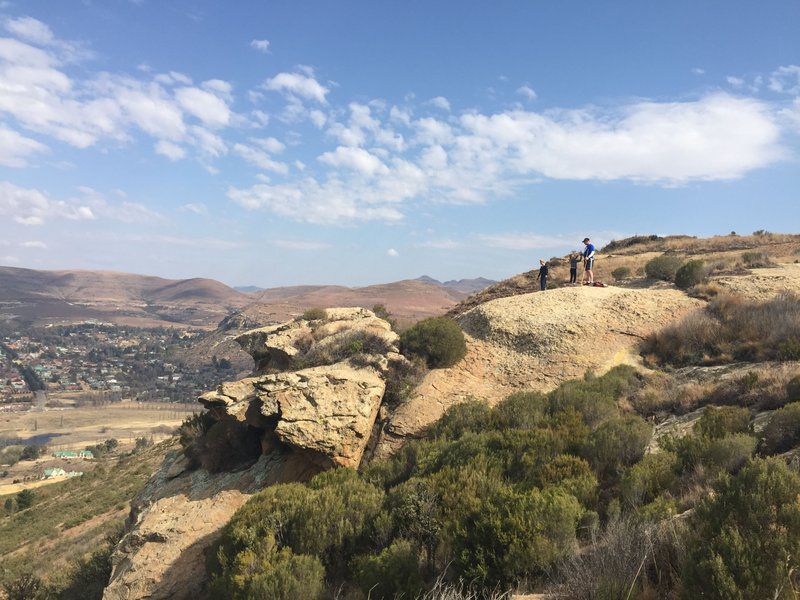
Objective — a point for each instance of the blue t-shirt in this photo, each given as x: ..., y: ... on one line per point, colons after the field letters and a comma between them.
x: 588, y: 251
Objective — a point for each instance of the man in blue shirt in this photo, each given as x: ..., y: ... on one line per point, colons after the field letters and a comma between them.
x: 588, y: 261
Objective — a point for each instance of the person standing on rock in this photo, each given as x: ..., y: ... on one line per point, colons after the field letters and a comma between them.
x: 588, y: 260
x: 544, y: 270
x: 574, y: 259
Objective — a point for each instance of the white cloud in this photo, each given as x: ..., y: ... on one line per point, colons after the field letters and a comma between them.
x: 260, y: 45
x: 197, y: 208
x: 209, y: 108
x: 299, y: 85
x: 735, y: 81
x: 527, y: 92
x: 698, y: 71
x: 356, y: 159
x: 15, y: 149
x: 30, y: 29
x: 28, y: 206
x: 34, y: 244
x: 260, y: 159
x: 440, y: 102
x: 270, y: 144
x: 171, y: 151
x: 786, y: 80
x: 524, y: 241
x: 392, y: 252
x: 299, y: 245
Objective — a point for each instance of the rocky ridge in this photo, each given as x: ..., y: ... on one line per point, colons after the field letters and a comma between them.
x: 313, y: 401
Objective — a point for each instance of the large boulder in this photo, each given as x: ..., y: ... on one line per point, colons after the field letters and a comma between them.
x: 313, y: 401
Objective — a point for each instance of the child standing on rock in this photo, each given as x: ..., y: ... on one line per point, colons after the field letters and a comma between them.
x: 544, y: 270
x: 574, y: 259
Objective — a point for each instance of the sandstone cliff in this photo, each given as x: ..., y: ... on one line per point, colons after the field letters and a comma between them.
x: 312, y: 402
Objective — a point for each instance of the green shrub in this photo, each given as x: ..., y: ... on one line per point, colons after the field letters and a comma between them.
x: 438, y: 340
x: 756, y: 260
x: 570, y: 473
x: 621, y: 273
x: 782, y: 431
x: 26, y: 587
x: 618, y: 443
x: 326, y: 518
x: 691, y: 273
x: 264, y: 571
x: 402, y: 378
x: 718, y: 422
x: 25, y: 499
x: 663, y: 267
x: 594, y: 398
x: 315, y: 314
x: 650, y: 477
x: 745, y: 539
x: 393, y: 572
x: 793, y: 389
x: 522, y: 410
x: 32, y: 452
x: 469, y: 416
x: 500, y: 535
x: 716, y: 455
x: 359, y: 347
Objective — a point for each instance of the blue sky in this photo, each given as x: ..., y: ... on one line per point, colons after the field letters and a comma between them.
x: 277, y: 143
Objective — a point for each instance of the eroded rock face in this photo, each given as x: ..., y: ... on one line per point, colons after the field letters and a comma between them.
x: 309, y: 417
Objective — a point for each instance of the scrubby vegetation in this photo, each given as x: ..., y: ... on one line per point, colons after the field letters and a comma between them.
x: 663, y: 267
x: 438, y: 340
x: 690, y: 274
x: 731, y: 328
x: 494, y: 497
x: 359, y: 347
x: 757, y: 260
x: 315, y: 314
x: 621, y: 273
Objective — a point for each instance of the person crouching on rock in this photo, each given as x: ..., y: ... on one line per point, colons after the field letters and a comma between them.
x: 588, y: 260
x: 544, y: 269
x: 574, y: 259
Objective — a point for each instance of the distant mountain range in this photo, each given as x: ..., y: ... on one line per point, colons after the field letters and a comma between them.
x: 141, y: 300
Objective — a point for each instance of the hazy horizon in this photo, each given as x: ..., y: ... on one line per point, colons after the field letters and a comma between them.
x: 279, y: 144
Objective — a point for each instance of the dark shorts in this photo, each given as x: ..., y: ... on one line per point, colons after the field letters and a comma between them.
x: 589, y: 264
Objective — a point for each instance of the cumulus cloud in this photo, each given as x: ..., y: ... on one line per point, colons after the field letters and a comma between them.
x: 356, y: 159
x: 29, y: 206
x: 299, y: 85
x: 392, y: 252
x: 206, y: 106
x: 171, y: 151
x: 440, y: 102
x: 260, y: 159
x: 15, y: 149
x: 260, y: 45
x: 785, y: 80
x: 527, y: 92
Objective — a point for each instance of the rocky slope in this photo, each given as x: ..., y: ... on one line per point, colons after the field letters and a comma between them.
x: 534, y: 342
x: 312, y: 402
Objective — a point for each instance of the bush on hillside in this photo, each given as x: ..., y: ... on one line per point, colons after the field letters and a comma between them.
x: 392, y: 573
x: 663, y: 267
x: 731, y: 328
x: 522, y: 410
x: 715, y: 455
x: 615, y: 245
x: 358, y: 347
x: 438, y: 340
x: 32, y: 452
x: 691, y: 273
x: 745, y: 539
x: 402, y: 378
x: 793, y: 389
x: 468, y: 416
x: 649, y: 478
x: 757, y: 260
x: 631, y: 558
x: 315, y: 314
x: 621, y: 273
x: 719, y: 422
x: 618, y: 443
x: 782, y: 431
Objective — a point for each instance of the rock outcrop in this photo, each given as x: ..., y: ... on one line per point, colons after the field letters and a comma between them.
x: 535, y: 341
x: 313, y: 401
